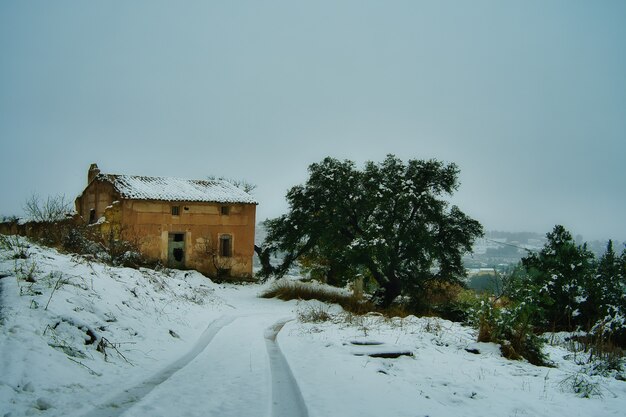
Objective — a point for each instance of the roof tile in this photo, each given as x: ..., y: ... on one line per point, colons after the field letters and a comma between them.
x: 177, y: 189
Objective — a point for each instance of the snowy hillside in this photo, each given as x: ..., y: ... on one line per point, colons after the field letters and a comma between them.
x: 86, y: 339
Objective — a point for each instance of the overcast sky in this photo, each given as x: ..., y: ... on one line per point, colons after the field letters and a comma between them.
x: 527, y: 97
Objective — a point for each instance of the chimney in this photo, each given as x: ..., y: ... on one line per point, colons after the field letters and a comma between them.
x: 92, y: 173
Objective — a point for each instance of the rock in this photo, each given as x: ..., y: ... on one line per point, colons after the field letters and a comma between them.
x: 42, y: 404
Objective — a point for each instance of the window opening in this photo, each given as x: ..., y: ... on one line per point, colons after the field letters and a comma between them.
x: 175, y: 210
x: 179, y: 237
x: 226, y: 245
x: 225, y: 210
x: 92, y: 216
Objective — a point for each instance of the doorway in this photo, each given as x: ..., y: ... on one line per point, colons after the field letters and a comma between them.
x: 176, y: 250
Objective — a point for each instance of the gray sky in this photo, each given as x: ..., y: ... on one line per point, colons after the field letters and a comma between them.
x: 527, y: 97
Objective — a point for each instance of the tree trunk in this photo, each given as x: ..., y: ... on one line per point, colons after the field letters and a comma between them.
x: 390, y: 289
x: 332, y: 277
x: 266, y: 267
x: 388, y: 292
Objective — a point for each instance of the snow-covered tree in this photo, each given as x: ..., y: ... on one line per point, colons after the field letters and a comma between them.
x: 561, y: 273
x: 388, y: 221
x: 606, y: 287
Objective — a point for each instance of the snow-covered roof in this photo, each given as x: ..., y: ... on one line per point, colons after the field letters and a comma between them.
x: 176, y: 189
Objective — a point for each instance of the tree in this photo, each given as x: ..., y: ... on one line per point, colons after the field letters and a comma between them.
x: 607, y: 286
x: 388, y: 222
x: 52, y: 218
x: 52, y: 209
x: 560, y: 275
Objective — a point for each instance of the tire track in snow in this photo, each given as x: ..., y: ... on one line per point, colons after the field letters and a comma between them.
x: 287, y: 399
x: 121, y: 403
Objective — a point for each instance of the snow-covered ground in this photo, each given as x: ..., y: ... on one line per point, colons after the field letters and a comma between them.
x: 91, y: 340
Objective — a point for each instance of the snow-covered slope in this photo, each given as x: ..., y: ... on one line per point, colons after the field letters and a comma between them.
x: 447, y: 373
x: 87, y: 339
x: 83, y: 330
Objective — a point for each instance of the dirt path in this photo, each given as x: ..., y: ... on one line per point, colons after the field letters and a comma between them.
x: 236, y: 368
x: 128, y: 398
x: 287, y: 400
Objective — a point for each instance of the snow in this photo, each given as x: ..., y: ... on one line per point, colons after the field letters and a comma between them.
x: 177, y: 189
x: 181, y: 345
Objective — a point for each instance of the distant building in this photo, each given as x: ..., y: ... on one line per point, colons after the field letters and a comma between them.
x: 207, y: 225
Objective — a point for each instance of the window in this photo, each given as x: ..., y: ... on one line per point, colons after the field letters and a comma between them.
x: 225, y: 210
x: 226, y: 247
x: 179, y: 237
x: 92, y: 216
x: 175, y: 210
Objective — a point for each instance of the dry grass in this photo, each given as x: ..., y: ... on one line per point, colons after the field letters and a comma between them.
x: 314, y: 314
x: 295, y: 290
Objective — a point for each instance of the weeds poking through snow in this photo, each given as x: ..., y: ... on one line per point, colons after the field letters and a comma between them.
x: 314, y: 314
x: 58, y: 283
x: 595, y: 355
x: 582, y: 385
x: 104, y: 343
x: 25, y: 270
x: 17, y: 245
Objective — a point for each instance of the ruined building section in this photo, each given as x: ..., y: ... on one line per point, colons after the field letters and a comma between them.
x: 207, y: 225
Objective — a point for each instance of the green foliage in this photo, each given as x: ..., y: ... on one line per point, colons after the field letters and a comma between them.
x: 571, y: 288
x: 561, y: 274
x: 387, y: 221
x: 510, y: 325
x: 608, y: 288
x: 582, y: 384
x: 564, y: 287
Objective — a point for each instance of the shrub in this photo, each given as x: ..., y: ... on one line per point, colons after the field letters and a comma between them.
x: 298, y: 290
x: 603, y: 343
x: 17, y: 245
x: 295, y: 290
x: 436, y: 298
x: 582, y: 385
x: 52, y: 209
x: 510, y: 325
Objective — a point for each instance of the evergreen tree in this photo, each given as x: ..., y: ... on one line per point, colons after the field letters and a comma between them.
x: 560, y: 273
x: 609, y: 282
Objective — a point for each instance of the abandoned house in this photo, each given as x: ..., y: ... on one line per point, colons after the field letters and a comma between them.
x: 207, y: 225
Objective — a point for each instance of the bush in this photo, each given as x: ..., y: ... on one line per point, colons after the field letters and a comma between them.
x: 582, y: 385
x: 17, y: 245
x: 605, y: 340
x: 510, y: 325
x: 447, y: 300
x: 52, y: 209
